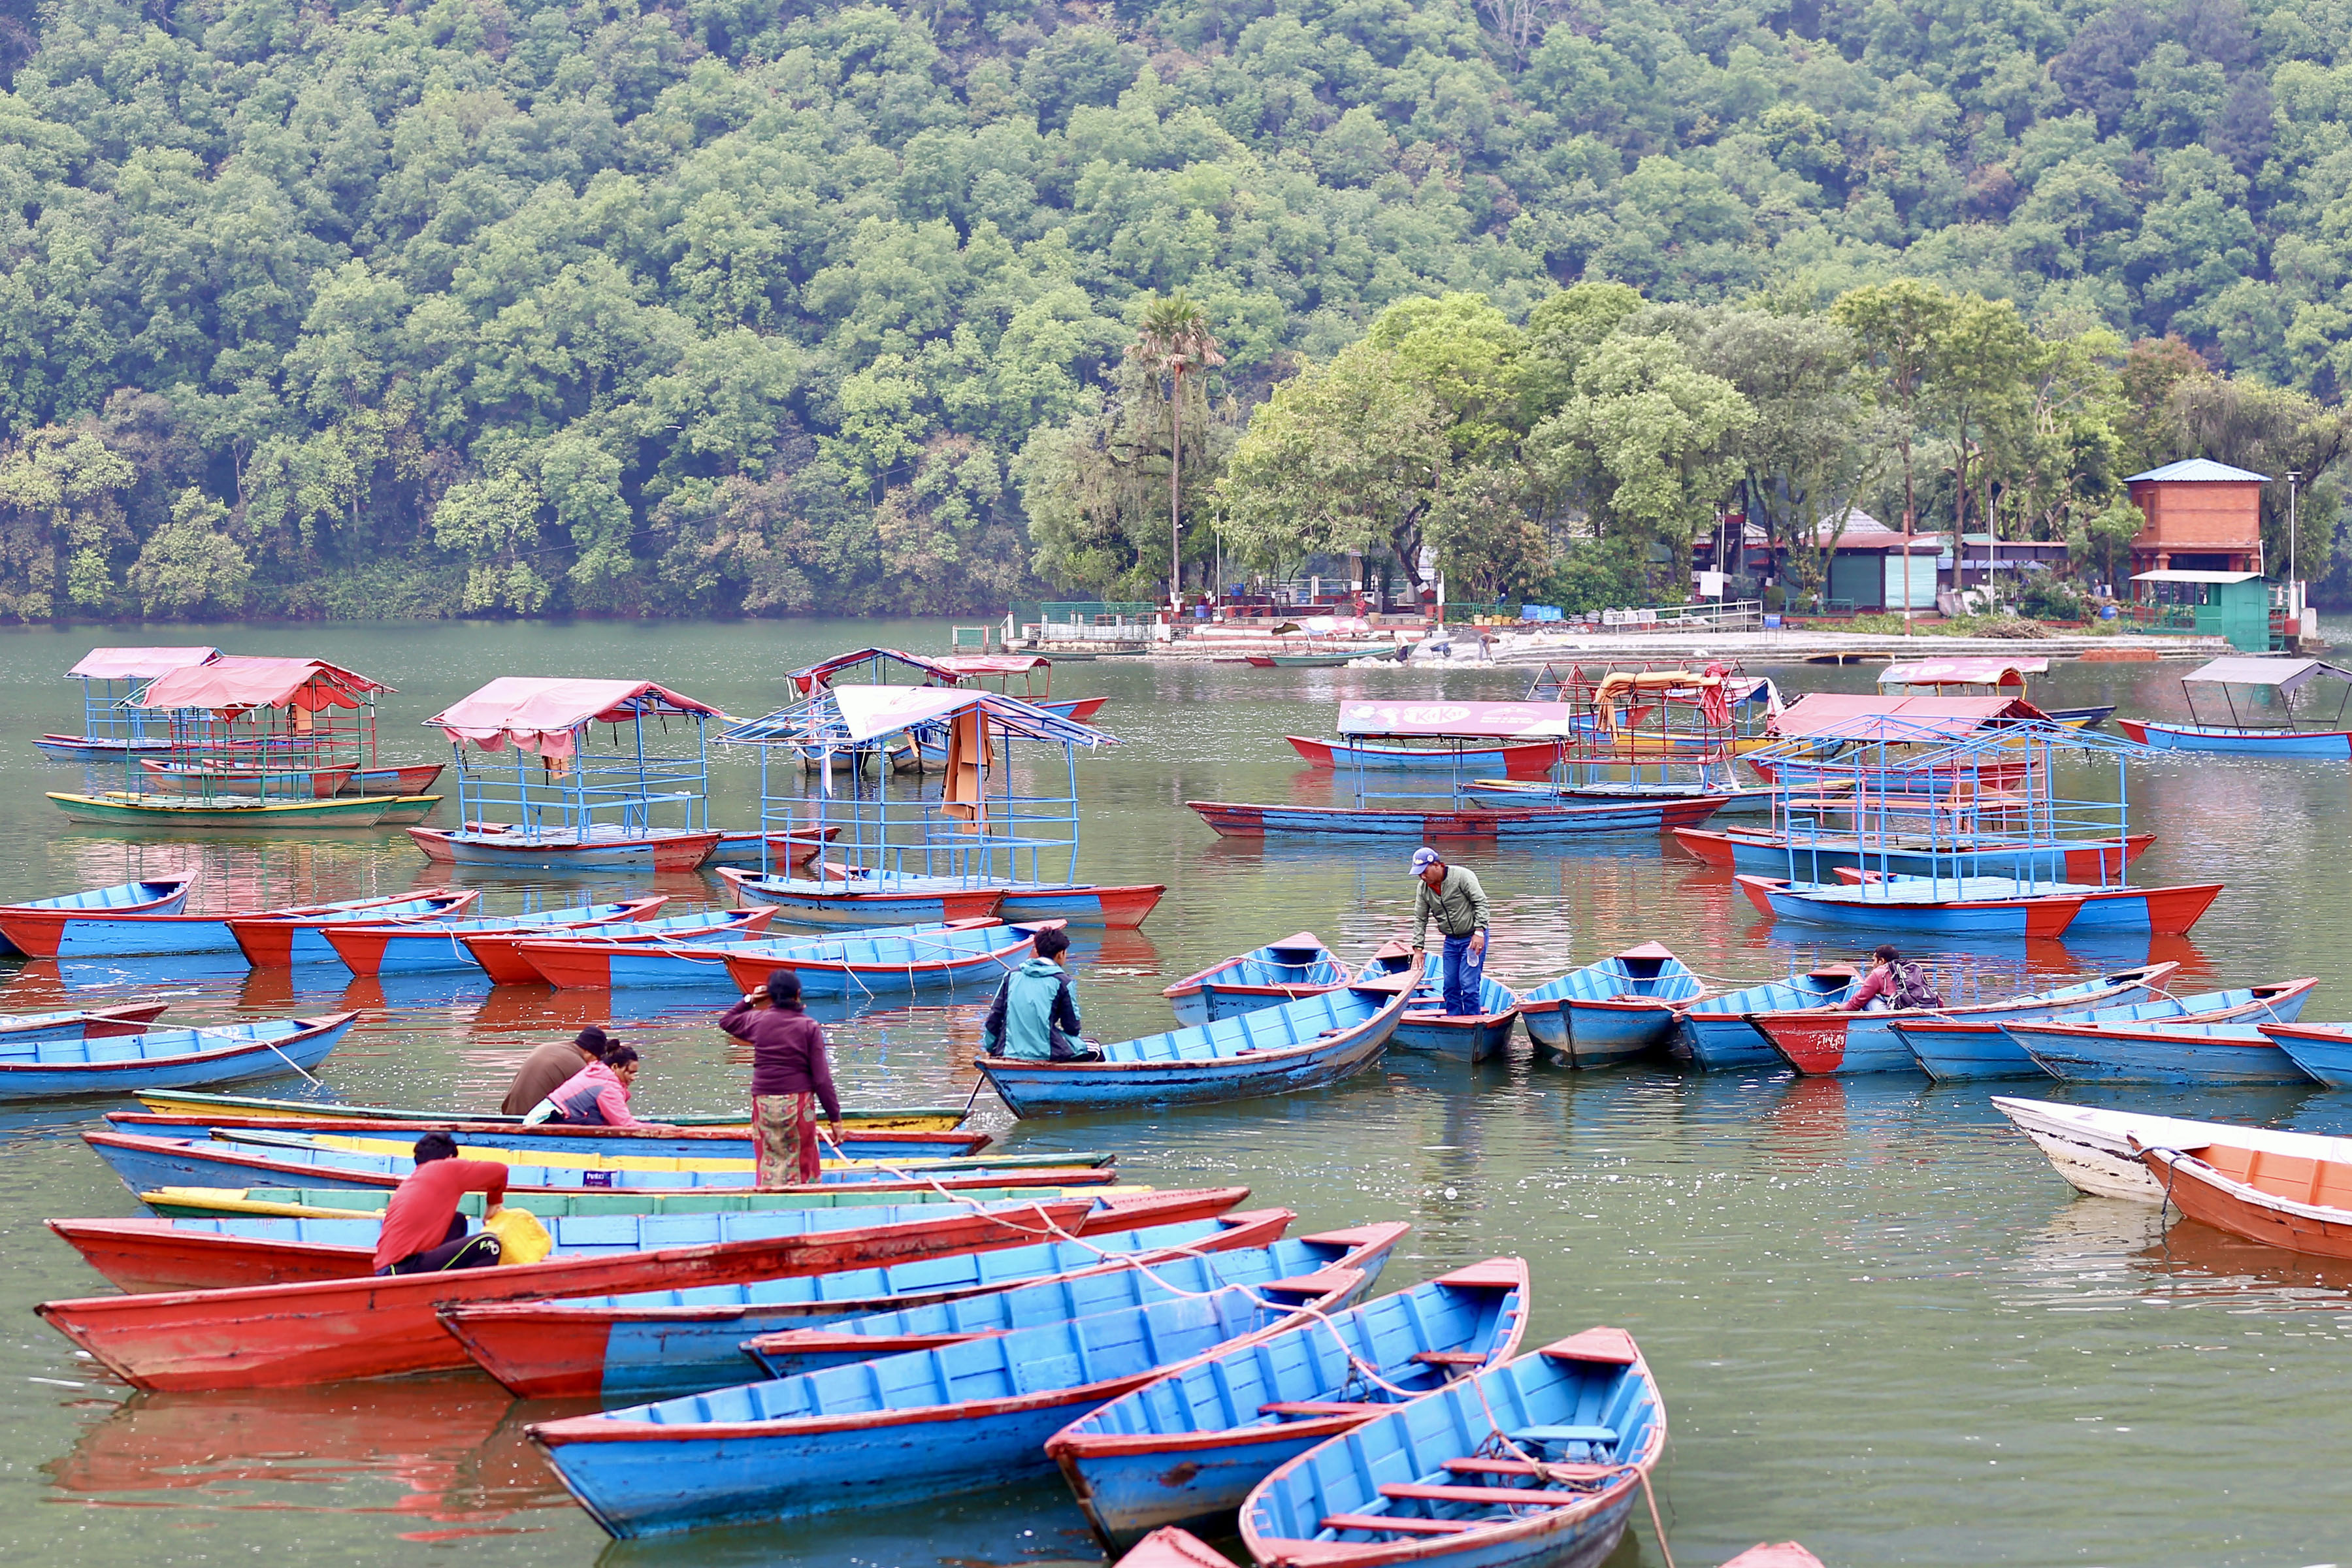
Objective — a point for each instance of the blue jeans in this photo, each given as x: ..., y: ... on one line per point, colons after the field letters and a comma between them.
x: 1464, y: 971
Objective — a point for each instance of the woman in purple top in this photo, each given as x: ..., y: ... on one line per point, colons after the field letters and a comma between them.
x: 788, y: 1069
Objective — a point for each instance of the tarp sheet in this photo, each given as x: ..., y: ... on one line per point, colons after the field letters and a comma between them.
x: 1963, y: 672
x: 238, y: 682
x: 2286, y: 674
x: 539, y: 713
x: 1465, y: 721
x: 139, y: 663
x: 1823, y: 715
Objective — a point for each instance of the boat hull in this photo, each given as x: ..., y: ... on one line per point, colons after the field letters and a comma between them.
x: 1764, y: 855
x: 238, y: 1063
x: 2134, y: 1056
x: 180, y: 813
x: 2333, y: 744
x: 1820, y: 904
x: 1504, y: 824
x: 647, y: 854
x: 2322, y: 1052
x: 836, y: 903
x: 1511, y: 761
x: 104, y: 933
x: 1114, y: 908
x: 96, y: 748
x: 2210, y: 1198
x: 1473, y: 1039
x: 1572, y: 1033
x: 2091, y: 1146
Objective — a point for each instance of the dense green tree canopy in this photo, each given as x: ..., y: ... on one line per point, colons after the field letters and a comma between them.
x: 499, y: 306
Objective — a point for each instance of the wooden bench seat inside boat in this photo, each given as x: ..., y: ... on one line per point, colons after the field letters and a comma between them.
x: 1378, y: 1523
x: 1516, y: 1497
x: 2324, y: 1183
x: 1318, y: 1407
x: 1521, y: 1467
x: 1549, y: 1435
x: 1450, y: 1357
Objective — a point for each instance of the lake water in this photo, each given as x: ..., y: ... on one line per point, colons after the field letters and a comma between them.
x: 1882, y: 1325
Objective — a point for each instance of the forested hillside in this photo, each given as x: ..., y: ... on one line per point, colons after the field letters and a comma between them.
x: 494, y: 306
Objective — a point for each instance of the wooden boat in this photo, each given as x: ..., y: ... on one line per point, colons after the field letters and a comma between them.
x: 401, y: 779
x: 607, y: 847
x: 1715, y: 1033
x: 1322, y: 660
x: 2281, y: 678
x: 1538, y: 1460
x: 279, y: 1336
x: 439, y: 947
x: 2156, y: 1053
x: 655, y: 1344
x: 836, y: 901
x: 1079, y: 903
x: 1506, y: 759
x: 154, y: 898
x: 59, y: 748
x: 2290, y: 1201
x: 70, y: 933
x: 1762, y: 853
x: 1307, y: 1044
x: 790, y: 1353
x: 1788, y: 1553
x: 888, y: 965
x: 1738, y: 800
x: 1817, y: 1042
x: 588, y: 964
x: 84, y: 1063
x: 1945, y: 906
x: 755, y: 851
x: 2106, y: 909
x: 803, y: 1446
x: 2332, y: 744
x: 2091, y: 1146
x: 1285, y: 971
x: 724, y: 1140
x: 1427, y: 1028
x: 126, y: 808
x: 1952, y: 1049
x: 280, y: 941
x: 500, y: 956
x: 1174, y: 1548
x: 895, y: 1118
x: 20, y: 1032
x: 330, y: 1202
x: 1502, y: 824
x: 1610, y: 1011
x: 2324, y: 1051
x: 214, y: 778
x: 223, y: 1252
x: 1189, y: 1446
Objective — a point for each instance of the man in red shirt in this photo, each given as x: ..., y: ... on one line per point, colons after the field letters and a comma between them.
x: 423, y: 1231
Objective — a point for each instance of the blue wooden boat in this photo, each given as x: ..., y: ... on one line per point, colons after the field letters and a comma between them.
x: 1738, y: 800
x: 70, y: 933
x: 1715, y: 1033
x: 1610, y: 1011
x: 97, y: 748
x: 1279, y: 972
x: 654, y: 1344
x: 1189, y: 1446
x: 2229, y: 740
x: 1951, y: 1049
x: 846, y: 1437
x: 21, y: 1031
x: 1821, y: 857
x: 45, y: 1069
x: 438, y: 947
x: 280, y: 941
x: 698, y: 965
x: 1307, y: 1044
x: 2157, y: 1053
x: 2324, y: 1051
x: 926, y: 1150
x: 862, y: 901
x: 1929, y: 907
x: 1427, y: 1029
x: 1820, y: 1043
x: 1538, y: 1460
x: 789, y: 1352
x: 152, y: 898
x: 888, y: 963
x: 1479, y: 821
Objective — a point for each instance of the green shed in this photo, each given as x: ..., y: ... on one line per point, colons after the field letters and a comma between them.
x: 2233, y: 605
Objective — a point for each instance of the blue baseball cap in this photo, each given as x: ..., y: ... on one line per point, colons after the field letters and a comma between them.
x: 1423, y: 859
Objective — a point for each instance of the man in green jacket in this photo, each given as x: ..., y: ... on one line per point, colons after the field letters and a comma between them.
x: 1452, y: 895
x: 1036, y: 1015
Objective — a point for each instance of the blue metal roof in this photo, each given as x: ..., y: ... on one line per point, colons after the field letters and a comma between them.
x: 2199, y: 469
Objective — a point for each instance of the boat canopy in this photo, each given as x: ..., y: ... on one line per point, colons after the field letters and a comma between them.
x: 139, y: 663
x: 1963, y: 672
x: 239, y: 683
x: 542, y: 713
x: 1843, y: 715
x: 964, y: 666
x: 2288, y: 675
x: 1461, y: 720
x: 845, y: 716
x: 818, y: 677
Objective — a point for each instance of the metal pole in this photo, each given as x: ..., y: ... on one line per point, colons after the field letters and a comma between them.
x: 2294, y: 598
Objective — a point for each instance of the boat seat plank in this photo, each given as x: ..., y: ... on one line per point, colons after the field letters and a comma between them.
x: 1450, y: 1357
x: 1563, y: 1472
x: 1377, y: 1524
x: 1564, y: 1435
x: 1428, y: 1492
x: 1319, y: 1407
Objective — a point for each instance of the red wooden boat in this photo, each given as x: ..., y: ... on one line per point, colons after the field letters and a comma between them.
x: 282, y: 1336
x: 1781, y: 1554
x: 364, y: 950
x: 499, y: 951
x: 1007, y: 948
x: 35, y: 929
x: 1172, y: 1547
x: 1492, y: 759
x: 267, y: 941
x: 1722, y: 847
x: 2289, y: 1201
x: 557, y: 1350
x: 2170, y: 911
x: 96, y: 1023
x: 837, y: 901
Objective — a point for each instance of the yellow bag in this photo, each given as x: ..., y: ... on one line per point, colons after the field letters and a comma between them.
x: 521, y: 1238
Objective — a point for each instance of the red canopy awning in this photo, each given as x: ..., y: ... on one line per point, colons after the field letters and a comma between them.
x: 1963, y: 672
x: 540, y: 713
x: 237, y: 683
x: 818, y: 676
x: 1837, y: 715
x: 139, y: 663
x: 1465, y: 721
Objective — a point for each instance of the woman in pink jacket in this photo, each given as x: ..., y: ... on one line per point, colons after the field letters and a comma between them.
x: 595, y: 1096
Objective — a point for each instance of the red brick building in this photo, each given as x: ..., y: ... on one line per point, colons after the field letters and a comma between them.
x: 2202, y: 516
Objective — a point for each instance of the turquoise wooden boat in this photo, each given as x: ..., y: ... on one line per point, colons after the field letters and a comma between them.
x: 789, y: 1352
x: 1948, y: 1049
x: 21, y: 1031
x: 969, y: 1416
x: 1538, y: 1460
x: 1427, y: 1029
x: 656, y: 1345
x: 1715, y: 1033
x: 1608, y: 1012
x: 1821, y: 1043
x: 146, y: 933
x: 1307, y: 1044
x: 82, y: 1064
x: 1189, y: 1446
x: 152, y: 898
x: 2157, y: 1053
x: 907, y: 1117
x: 1266, y: 976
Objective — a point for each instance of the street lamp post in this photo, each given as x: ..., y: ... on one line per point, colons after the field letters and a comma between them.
x: 2294, y: 589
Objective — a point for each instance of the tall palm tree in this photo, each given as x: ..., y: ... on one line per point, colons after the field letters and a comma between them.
x: 1175, y: 341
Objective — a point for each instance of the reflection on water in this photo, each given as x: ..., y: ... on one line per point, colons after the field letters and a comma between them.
x: 1881, y: 1324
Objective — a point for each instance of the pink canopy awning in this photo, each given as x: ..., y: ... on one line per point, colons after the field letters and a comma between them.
x: 540, y: 713
x: 1465, y: 721
x: 970, y: 664
x: 1824, y: 715
x: 1963, y: 672
x: 237, y: 683
x: 139, y: 663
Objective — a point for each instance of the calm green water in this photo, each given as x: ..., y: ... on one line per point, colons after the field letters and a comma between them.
x: 1882, y: 1325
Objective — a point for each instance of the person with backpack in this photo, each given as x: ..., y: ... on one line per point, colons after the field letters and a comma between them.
x: 1901, y: 984
x: 1034, y: 1016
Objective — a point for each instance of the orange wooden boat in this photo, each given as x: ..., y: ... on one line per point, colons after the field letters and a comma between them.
x: 2293, y: 1201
